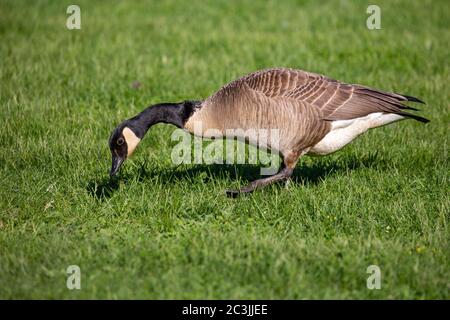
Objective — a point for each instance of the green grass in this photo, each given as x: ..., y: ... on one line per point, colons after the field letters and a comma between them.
x: 169, y: 232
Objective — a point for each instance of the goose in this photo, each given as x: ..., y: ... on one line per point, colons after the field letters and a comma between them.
x: 314, y: 115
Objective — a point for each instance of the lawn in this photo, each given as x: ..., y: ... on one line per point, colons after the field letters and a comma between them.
x: 163, y: 231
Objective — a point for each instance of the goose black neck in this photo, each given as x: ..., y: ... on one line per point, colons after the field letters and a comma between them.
x: 171, y: 113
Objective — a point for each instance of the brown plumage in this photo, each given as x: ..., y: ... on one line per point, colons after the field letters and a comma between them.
x: 264, y: 92
x: 302, y: 105
x: 312, y: 113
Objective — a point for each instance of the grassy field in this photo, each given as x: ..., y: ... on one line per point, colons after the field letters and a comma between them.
x: 166, y: 231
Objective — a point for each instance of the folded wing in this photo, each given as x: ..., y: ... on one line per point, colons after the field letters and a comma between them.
x: 336, y: 100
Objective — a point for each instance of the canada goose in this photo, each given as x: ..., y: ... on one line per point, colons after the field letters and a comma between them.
x: 314, y: 115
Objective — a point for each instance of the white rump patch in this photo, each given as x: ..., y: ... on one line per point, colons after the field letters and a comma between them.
x: 344, y: 131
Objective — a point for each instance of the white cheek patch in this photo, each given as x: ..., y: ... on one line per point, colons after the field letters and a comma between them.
x: 131, y: 139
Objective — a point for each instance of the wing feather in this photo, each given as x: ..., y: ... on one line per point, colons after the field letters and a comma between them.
x: 337, y: 100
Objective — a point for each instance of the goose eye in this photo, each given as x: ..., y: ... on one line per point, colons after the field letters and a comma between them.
x: 120, y: 141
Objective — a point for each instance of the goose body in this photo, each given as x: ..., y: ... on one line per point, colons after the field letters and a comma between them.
x: 311, y: 111
x: 312, y: 114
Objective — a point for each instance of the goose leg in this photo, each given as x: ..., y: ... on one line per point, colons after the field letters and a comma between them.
x: 284, y: 174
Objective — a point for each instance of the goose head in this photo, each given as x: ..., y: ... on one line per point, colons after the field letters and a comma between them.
x: 122, y: 143
x: 127, y: 135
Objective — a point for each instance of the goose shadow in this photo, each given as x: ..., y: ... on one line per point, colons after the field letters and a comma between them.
x: 103, y: 188
x: 311, y: 174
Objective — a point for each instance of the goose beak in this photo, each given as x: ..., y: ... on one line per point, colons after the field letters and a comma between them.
x: 116, y: 164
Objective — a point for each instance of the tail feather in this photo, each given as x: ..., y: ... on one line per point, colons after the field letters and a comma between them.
x: 388, y: 95
x: 413, y: 99
x: 410, y: 115
x: 413, y: 116
x: 390, y: 99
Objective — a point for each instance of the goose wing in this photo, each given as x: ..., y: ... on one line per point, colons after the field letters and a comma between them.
x: 336, y: 100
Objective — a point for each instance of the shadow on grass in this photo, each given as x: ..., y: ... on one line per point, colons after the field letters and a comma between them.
x: 308, y: 175
x: 103, y: 188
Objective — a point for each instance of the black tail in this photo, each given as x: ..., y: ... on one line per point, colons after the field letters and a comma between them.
x: 391, y: 102
x: 413, y: 116
x: 413, y: 99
